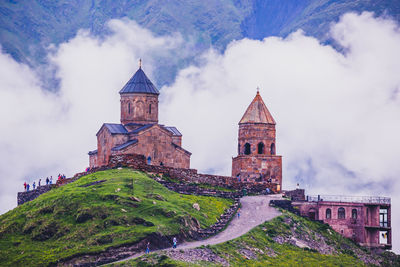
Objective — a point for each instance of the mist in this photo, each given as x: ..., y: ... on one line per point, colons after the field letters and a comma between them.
x: 337, y: 110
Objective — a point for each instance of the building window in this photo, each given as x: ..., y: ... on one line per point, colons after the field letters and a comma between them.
x: 150, y: 109
x: 383, y: 219
x: 260, y: 148
x: 247, y: 149
x: 149, y: 160
x: 272, y: 149
x: 129, y: 108
x: 328, y: 213
x: 341, y: 213
x: 354, y: 213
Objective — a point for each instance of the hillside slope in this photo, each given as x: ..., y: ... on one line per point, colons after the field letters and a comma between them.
x: 88, y: 217
x: 287, y: 240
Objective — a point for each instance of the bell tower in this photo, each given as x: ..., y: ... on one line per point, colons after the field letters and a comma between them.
x: 257, y: 160
x: 139, y: 100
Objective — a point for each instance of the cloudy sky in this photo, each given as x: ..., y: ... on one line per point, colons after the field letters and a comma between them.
x: 337, y: 113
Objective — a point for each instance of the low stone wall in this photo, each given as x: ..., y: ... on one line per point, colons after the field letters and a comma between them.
x: 23, y: 197
x: 138, y: 162
x: 285, y: 204
x: 296, y: 195
x: 221, y: 223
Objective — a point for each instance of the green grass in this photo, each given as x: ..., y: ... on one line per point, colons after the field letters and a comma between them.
x: 266, y: 252
x: 73, y: 220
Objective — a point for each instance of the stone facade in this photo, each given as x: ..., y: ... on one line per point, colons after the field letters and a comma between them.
x: 139, y: 131
x: 366, y: 221
x: 257, y: 160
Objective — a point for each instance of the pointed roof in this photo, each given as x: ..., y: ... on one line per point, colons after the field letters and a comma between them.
x: 257, y: 112
x: 139, y: 83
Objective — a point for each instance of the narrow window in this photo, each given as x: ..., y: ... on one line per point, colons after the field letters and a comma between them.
x: 383, y: 219
x: 260, y: 148
x: 129, y: 108
x: 150, y: 109
x: 247, y: 149
x: 341, y: 213
x: 354, y: 213
x: 272, y: 149
x: 328, y: 213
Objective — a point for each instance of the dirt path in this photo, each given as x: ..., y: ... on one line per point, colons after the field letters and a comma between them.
x: 255, y: 210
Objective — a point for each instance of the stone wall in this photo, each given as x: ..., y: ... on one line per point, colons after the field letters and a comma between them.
x: 296, y: 195
x: 23, y: 197
x: 138, y: 162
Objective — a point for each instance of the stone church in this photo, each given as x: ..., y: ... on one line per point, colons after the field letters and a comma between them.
x: 257, y: 160
x: 139, y: 131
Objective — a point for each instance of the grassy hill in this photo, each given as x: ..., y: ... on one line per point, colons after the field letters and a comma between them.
x: 82, y: 217
x: 287, y: 240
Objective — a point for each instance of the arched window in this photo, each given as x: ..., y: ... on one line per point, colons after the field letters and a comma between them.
x: 354, y: 213
x: 260, y: 148
x: 328, y: 213
x: 272, y: 149
x: 247, y: 149
x: 341, y: 213
x: 129, y: 108
x: 150, y: 109
x: 149, y: 160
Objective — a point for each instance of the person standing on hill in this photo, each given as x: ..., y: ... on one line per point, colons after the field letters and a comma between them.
x: 174, y: 242
x: 25, y: 186
x: 238, y: 212
x: 51, y: 179
x: 40, y: 181
x: 47, y: 180
x: 34, y: 185
x: 148, y: 248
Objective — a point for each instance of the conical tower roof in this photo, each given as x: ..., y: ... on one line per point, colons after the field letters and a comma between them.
x: 257, y: 112
x: 139, y: 83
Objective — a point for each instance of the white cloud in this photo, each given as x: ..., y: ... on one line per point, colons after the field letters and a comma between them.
x: 337, y: 113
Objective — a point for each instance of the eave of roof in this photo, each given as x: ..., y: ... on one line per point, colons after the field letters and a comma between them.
x: 124, y: 145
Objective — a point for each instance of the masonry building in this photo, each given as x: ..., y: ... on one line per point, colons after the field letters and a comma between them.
x: 365, y: 220
x: 139, y: 131
x: 257, y: 160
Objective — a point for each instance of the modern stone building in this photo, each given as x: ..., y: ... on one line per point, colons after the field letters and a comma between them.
x: 139, y: 131
x: 257, y: 160
x: 366, y: 220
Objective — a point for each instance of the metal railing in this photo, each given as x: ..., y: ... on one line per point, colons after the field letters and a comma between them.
x: 356, y: 199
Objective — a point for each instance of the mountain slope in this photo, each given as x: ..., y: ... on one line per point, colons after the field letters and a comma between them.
x: 27, y: 28
x: 74, y: 220
x: 287, y: 240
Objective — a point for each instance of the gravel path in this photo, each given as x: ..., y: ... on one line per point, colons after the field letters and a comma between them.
x: 255, y: 210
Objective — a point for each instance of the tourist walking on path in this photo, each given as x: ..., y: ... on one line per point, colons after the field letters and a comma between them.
x: 25, y: 186
x: 174, y: 241
x: 148, y: 248
x: 238, y: 212
x: 33, y: 185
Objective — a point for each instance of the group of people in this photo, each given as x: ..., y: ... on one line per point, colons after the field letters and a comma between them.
x: 48, y: 181
x: 174, y: 244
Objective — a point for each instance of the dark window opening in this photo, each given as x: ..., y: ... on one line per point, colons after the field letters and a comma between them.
x: 247, y: 149
x: 149, y: 160
x: 150, y: 109
x: 260, y: 148
x: 341, y: 213
x: 129, y: 108
x: 354, y: 213
x: 383, y: 220
x: 272, y: 149
x: 328, y: 213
